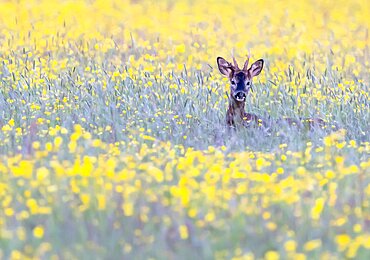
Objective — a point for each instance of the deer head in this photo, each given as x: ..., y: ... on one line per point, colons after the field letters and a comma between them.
x: 240, y: 79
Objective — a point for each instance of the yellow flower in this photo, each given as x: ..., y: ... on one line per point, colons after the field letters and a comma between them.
x: 36, y: 145
x: 210, y: 216
x: 342, y: 241
x: 58, y: 141
x: 357, y: 228
x: 290, y: 246
x: 9, y: 212
x: 180, y: 48
x: 156, y: 173
x: 317, y: 208
x: 85, y: 199
x: 128, y: 209
x: 38, y: 231
x: 101, y: 202
x: 42, y: 173
x: 183, y: 230
x: 271, y: 226
x: 147, y: 137
x: 272, y: 255
x: 11, y: 122
x: 312, y: 245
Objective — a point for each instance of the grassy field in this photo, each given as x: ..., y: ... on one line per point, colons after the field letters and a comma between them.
x: 113, y: 142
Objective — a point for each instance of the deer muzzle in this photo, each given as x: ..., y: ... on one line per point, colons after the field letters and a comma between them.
x: 240, y: 95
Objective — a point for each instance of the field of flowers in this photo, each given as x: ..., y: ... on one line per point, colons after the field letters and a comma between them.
x: 113, y: 143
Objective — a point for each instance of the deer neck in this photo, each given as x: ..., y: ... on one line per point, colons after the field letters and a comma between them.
x: 237, y: 107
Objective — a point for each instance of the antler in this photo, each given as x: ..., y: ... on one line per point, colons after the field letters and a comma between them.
x: 235, y: 63
x: 247, y: 61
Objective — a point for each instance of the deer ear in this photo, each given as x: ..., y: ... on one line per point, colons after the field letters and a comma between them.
x: 256, y: 68
x: 225, y: 67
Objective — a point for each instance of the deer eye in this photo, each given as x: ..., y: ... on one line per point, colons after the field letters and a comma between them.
x: 248, y: 83
x: 232, y: 82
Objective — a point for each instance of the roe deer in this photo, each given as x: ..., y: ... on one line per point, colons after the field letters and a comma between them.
x: 241, y: 82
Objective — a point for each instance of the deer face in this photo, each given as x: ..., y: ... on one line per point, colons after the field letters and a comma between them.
x: 240, y: 79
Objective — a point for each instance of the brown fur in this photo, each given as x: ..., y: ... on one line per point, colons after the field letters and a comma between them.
x: 241, y: 81
x: 236, y: 115
x: 310, y: 123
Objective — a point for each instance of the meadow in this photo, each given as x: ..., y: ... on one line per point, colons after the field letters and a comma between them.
x: 114, y: 145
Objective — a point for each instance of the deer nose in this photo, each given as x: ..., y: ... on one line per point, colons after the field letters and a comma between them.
x: 240, y: 95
